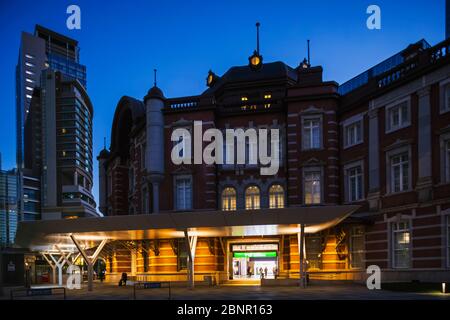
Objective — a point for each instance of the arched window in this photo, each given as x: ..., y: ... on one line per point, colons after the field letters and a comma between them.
x: 252, y: 198
x: 276, y: 196
x: 229, y: 199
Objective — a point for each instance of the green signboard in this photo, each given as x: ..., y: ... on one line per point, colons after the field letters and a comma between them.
x: 262, y: 254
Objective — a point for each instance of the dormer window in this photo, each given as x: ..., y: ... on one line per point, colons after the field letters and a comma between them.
x: 244, y: 100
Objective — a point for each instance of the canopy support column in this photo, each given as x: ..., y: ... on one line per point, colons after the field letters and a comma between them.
x: 301, y: 252
x: 191, y: 243
x: 60, y: 264
x: 89, y: 260
x: 51, y: 266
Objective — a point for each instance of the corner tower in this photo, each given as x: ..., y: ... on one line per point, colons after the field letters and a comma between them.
x: 154, y: 149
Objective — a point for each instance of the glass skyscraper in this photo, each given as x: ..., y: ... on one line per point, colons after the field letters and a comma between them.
x: 48, y: 73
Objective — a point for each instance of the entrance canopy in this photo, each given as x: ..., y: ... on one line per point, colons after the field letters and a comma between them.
x: 44, y: 234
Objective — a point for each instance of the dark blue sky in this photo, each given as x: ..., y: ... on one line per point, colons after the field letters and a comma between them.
x: 122, y: 41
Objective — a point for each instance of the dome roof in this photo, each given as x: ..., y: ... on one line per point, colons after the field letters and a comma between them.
x: 154, y: 93
x: 103, y: 154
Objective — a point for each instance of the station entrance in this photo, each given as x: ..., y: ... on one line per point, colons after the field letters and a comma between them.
x: 254, y: 261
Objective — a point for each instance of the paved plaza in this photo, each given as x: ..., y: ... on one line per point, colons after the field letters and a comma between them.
x: 315, y: 291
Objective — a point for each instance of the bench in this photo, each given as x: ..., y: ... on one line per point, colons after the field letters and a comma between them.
x: 33, y: 292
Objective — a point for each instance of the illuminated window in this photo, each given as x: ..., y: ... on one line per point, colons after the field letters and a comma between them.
x: 29, y: 72
x: 28, y: 64
x: 252, y: 199
x: 401, y: 237
x: 63, y: 130
x: 267, y: 105
x: 29, y: 88
x: 28, y: 96
x: 244, y: 99
x: 63, y: 153
x: 268, y: 96
x: 229, y: 199
x: 29, y: 80
x: 312, y: 182
x: 29, y: 56
x: 276, y: 196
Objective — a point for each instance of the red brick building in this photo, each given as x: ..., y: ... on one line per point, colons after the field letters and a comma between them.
x: 380, y: 140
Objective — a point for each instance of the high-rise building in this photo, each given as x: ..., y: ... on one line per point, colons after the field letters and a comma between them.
x: 8, y: 207
x: 54, y: 128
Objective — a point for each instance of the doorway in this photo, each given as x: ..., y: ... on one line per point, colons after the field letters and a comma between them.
x: 254, y: 261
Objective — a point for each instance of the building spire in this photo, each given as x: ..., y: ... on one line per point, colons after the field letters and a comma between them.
x: 154, y: 77
x: 309, y: 60
x: 104, y: 143
x: 257, y: 37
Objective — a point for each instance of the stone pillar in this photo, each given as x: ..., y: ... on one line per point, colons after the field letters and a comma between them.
x: 424, y: 182
x: 373, y: 195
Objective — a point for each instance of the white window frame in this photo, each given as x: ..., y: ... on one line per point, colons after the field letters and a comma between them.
x: 229, y: 200
x: 444, y: 99
x: 275, y: 196
x: 347, y: 168
x: 393, y: 231
x: 351, y: 122
x: 310, y: 170
x: 390, y: 172
x: 402, y: 124
x: 176, y: 200
x: 306, y: 118
x: 255, y: 205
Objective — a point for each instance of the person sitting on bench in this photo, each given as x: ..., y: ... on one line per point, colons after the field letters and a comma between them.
x: 123, y: 280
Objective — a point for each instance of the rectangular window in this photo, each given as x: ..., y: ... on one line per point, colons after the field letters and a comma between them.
x: 311, y: 134
x: 29, y: 64
x: 29, y: 80
x: 183, y: 194
x: 29, y: 56
x: 353, y: 134
x: 399, y: 172
x: 182, y: 255
x: 401, y: 238
x: 314, y: 250
x: 398, y: 116
x: 357, y: 247
x: 354, y: 184
x: 29, y: 72
x: 312, y: 187
x: 445, y: 101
